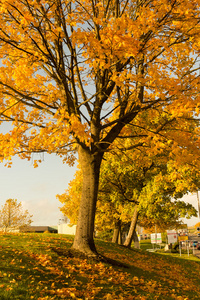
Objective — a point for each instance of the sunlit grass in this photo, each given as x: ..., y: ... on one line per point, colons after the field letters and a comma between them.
x: 30, y: 269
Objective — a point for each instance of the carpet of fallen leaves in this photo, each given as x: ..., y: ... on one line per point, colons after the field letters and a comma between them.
x: 29, y: 269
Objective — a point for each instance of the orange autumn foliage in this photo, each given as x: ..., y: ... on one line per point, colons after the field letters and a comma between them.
x: 42, y: 93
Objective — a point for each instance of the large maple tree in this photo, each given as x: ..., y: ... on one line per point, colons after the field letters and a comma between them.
x: 74, y: 73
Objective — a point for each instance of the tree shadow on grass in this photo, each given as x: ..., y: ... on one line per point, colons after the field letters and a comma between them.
x: 71, y: 253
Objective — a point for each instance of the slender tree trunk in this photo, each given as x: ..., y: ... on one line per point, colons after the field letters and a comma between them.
x: 84, y: 237
x: 136, y: 240
x: 120, y: 236
x: 129, y: 237
x: 117, y: 232
x: 115, y: 235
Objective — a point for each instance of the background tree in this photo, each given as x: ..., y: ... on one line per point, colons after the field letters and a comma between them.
x: 67, y: 66
x: 147, y: 182
x: 12, y: 216
x: 71, y: 198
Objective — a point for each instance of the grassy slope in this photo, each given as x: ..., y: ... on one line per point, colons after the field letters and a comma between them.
x: 29, y: 269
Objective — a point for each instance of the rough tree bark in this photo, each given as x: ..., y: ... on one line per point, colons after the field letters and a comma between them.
x: 130, y: 235
x: 117, y: 232
x: 84, y: 238
x: 120, y: 237
x: 136, y: 240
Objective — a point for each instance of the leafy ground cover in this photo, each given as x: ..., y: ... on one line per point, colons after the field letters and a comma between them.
x: 31, y: 269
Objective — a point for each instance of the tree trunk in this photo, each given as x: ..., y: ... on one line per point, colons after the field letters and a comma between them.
x: 120, y: 236
x: 129, y: 238
x: 117, y: 232
x: 84, y: 237
x: 136, y: 240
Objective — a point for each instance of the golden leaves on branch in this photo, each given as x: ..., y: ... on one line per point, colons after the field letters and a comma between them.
x: 74, y: 45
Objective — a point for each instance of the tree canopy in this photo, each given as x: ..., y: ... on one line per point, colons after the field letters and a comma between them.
x: 66, y: 66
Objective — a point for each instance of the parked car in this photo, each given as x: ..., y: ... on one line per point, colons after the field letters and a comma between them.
x: 198, y: 246
x: 194, y: 243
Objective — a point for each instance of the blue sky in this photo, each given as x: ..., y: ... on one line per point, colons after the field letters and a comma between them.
x: 36, y: 188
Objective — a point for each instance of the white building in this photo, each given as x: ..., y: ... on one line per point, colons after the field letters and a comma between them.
x: 66, y: 229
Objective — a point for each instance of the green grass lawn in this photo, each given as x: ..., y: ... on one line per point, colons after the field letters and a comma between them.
x: 30, y: 269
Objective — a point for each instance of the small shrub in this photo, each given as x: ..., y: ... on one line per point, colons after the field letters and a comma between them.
x: 175, y: 247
